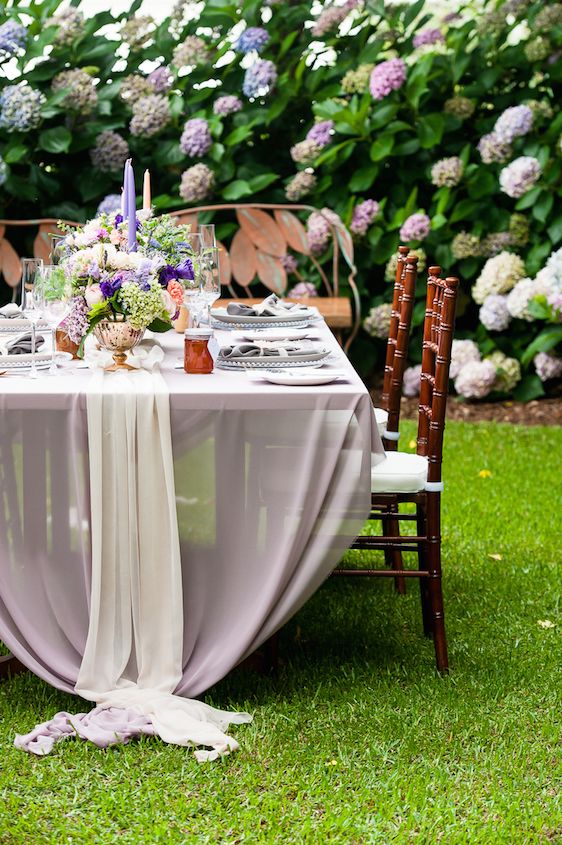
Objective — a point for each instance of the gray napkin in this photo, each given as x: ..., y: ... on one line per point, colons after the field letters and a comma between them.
x: 271, y: 306
x: 11, y: 312
x: 21, y: 345
x: 254, y: 350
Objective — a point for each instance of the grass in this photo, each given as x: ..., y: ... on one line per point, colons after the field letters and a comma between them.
x: 358, y: 740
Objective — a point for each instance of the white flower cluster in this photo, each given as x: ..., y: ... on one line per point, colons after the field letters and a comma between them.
x: 494, y: 314
x: 548, y: 283
x: 476, y: 378
x: 498, y: 275
x: 411, y: 380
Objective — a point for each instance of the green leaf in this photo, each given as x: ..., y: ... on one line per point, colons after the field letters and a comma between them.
x: 528, y: 199
x: 258, y: 183
x: 543, y: 206
x: 236, y: 190
x: 412, y: 12
x: 382, y: 147
x: 363, y: 178
x: 160, y: 326
x: 238, y: 135
x: 383, y: 115
x: 430, y: 130
x: 530, y: 387
x: 546, y: 340
x: 482, y: 184
x: 168, y: 153
x: 463, y: 210
x: 555, y: 231
x: 15, y: 153
x: 56, y: 140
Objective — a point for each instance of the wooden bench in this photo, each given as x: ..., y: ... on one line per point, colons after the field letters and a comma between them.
x: 258, y: 236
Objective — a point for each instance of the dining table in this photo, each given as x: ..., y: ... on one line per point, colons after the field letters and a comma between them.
x: 272, y: 485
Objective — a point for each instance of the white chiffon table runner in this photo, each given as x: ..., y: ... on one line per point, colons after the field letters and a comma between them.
x: 272, y: 484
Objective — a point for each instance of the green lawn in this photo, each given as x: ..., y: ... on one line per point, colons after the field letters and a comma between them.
x: 358, y: 740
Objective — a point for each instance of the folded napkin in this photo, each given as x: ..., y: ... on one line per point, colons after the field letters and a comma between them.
x: 272, y: 306
x: 145, y: 356
x: 21, y: 345
x: 11, y: 312
x: 260, y: 350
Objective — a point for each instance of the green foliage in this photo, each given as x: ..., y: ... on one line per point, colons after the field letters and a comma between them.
x: 381, y: 149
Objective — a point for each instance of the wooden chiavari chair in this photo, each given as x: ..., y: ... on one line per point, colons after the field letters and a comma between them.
x: 388, y: 416
x: 403, y: 477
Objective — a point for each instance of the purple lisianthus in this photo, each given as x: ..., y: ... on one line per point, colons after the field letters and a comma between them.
x: 182, y: 271
x: 387, y: 77
x: 118, y: 218
x: 427, y: 37
x: 109, y: 287
x: 321, y: 133
x: 253, y: 38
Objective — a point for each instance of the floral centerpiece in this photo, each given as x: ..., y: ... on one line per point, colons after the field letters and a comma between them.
x: 116, y: 277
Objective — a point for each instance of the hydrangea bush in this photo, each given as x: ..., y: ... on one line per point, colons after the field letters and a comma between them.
x: 440, y: 131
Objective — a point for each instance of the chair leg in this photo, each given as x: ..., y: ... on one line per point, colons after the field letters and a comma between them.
x: 437, y: 613
x: 393, y: 557
x: 424, y: 587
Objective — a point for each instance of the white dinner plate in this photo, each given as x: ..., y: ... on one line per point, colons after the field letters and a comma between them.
x: 23, y: 362
x: 276, y: 334
x: 301, y: 377
x: 296, y: 315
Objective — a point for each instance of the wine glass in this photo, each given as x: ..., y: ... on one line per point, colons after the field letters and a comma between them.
x: 30, y: 301
x: 210, y: 277
x: 56, y: 301
x: 57, y: 248
x: 207, y: 235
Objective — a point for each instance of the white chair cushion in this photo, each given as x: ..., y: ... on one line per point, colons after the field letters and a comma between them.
x: 399, y: 472
x: 381, y: 419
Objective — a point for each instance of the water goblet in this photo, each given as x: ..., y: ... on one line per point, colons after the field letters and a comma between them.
x: 30, y: 301
x: 210, y: 277
x: 56, y: 302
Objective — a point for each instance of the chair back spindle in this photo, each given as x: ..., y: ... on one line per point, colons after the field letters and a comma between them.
x: 436, y: 360
x: 398, y: 339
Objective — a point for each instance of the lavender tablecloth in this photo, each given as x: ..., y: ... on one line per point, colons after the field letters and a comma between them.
x: 272, y: 485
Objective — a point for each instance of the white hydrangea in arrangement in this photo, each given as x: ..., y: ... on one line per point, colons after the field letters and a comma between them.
x: 547, y: 366
x: 508, y: 371
x: 498, y: 275
x: 494, y: 314
x: 463, y: 352
x: 518, y: 299
x: 476, y: 379
x: 411, y: 380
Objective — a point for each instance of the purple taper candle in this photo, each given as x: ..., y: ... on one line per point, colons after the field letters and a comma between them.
x: 131, y: 210
x: 124, y: 189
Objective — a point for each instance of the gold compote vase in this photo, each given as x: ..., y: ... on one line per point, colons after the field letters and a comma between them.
x: 118, y: 336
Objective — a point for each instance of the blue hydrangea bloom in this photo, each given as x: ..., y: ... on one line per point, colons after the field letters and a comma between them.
x: 259, y: 78
x: 253, y: 38
x: 3, y: 171
x: 13, y: 37
x: 20, y: 108
x: 109, y: 204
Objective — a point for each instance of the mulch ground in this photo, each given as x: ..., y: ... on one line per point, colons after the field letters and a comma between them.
x: 545, y: 411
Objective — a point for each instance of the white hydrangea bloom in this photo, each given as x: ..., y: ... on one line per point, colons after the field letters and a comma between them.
x: 519, y: 298
x: 476, y: 379
x: 498, y: 275
x: 462, y: 352
x: 494, y: 314
x: 411, y: 380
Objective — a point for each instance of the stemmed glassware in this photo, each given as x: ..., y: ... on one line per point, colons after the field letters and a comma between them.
x: 206, y: 233
x: 31, y: 303
x: 210, y: 277
x: 56, y: 301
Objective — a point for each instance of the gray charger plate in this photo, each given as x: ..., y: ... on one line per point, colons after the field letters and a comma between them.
x: 293, y: 316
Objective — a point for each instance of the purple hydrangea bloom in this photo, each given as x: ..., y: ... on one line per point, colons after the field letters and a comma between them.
x: 161, y: 80
x: 302, y: 289
x: 76, y: 324
x: 109, y: 287
x: 416, y: 227
x: 321, y: 133
x: 427, y: 37
x: 253, y: 38
x: 227, y: 104
x: 109, y: 204
x: 196, y: 138
x: 259, y: 79
x: 13, y: 37
x: 491, y: 149
x: 387, y: 77
x: 363, y: 215
x: 196, y: 183
x: 512, y: 123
